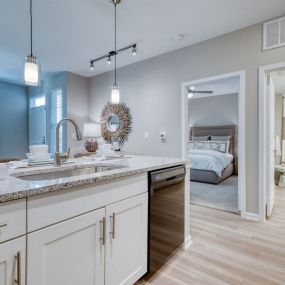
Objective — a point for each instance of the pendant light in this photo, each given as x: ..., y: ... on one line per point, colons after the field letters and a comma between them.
x: 31, y: 67
x: 115, y: 93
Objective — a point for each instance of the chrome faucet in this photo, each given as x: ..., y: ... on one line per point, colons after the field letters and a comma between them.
x: 59, y: 156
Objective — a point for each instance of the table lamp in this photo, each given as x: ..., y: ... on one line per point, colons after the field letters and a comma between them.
x: 92, y: 132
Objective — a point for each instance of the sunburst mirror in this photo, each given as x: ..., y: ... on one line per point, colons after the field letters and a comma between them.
x: 116, y: 122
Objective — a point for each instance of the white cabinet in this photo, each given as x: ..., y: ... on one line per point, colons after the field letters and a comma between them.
x: 12, y: 262
x: 12, y: 220
x: 126, y: 244
x: 110, y: 242
x: 71, y: 252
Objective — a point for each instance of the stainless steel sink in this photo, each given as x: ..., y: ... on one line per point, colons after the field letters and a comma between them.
x: 68, y: 173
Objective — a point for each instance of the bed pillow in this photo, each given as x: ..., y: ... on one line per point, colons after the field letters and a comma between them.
x: 220, y: 138
x: 219, y: 146
x: 200, y: 138
x: 202, y: 145
x: 226, y: 139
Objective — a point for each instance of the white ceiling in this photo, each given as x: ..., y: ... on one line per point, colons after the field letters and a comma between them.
x: 278, y: 78
x: 70, y: 32
x: 220, y: 87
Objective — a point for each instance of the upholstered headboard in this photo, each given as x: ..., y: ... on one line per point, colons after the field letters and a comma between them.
x: 218, y: 131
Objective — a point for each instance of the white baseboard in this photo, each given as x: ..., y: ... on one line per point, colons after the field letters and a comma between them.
x: 187, y: 243
x: 252, y: 217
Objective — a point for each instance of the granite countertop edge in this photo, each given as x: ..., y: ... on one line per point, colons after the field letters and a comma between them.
x: 79, y: 180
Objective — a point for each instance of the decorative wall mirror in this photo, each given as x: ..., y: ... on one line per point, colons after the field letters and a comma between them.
x: 116, y: 122
x: 113, y: 123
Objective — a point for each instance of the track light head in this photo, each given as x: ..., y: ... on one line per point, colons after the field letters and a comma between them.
x: 115, y: 2
x: 109, y: 60
x: 134, y: 50
x: 91, y: 65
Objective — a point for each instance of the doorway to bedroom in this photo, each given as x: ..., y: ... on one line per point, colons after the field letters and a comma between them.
x: 213, y: 140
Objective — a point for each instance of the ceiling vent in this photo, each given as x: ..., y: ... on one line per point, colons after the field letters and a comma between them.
x: 274, y: 34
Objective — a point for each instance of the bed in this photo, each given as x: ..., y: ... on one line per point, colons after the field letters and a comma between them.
x: 210, y: 166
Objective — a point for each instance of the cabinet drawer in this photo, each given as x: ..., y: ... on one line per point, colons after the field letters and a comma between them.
x: 52, y: 208
x: 12, y: 220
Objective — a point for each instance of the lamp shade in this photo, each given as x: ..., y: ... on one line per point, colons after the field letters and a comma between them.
x: 32, y: 71
x: 115, y: 94
x: 91, y: 130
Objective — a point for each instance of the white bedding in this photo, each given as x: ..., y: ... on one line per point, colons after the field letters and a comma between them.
x: 209, y: 160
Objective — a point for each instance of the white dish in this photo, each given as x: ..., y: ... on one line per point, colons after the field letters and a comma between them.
x: 36, y: 149
x: 38, y: 156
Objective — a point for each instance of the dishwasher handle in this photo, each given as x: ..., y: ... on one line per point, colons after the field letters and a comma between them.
x: 167, y: 177
x: 171, y: 178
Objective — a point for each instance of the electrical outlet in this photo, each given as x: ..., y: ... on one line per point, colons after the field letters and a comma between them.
x: 73, y: 136
x: 146, y: 136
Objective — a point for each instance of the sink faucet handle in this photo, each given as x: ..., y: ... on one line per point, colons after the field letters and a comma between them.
x: 66, y: 154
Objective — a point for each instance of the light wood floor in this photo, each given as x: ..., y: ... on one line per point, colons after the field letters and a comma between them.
x: 229, y: 250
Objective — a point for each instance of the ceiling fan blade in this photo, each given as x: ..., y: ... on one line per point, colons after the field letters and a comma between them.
x: 203, y: 92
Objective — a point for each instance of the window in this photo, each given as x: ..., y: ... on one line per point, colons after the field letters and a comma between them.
x: 56, y: 116
x: 38, y: 101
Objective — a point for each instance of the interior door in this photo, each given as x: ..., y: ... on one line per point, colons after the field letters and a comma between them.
x: 270, y: 183
x: 12, y: 261
x: 126, y: 245
x: 70, y: 252
x: 37, y: 121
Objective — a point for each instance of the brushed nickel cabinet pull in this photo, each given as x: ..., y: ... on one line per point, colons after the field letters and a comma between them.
x: 3, y: 225
x: 102, y: 231
x: 112, y: 218
x: 18, y: 264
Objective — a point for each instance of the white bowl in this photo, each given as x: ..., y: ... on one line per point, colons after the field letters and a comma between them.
x: 38, y: 156
x: 42, y: 148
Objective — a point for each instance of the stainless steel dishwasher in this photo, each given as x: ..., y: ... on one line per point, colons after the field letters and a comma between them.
x: 166, y: 215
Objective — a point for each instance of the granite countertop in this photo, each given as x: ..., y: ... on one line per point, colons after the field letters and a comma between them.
x: 15, y: 188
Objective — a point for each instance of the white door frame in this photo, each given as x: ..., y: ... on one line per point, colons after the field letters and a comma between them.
x: 241, y: 128
x: 263, y: 70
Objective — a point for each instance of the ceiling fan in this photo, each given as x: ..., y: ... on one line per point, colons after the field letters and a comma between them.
x: 192, y: 92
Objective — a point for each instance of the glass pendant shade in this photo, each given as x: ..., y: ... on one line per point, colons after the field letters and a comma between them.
x: 32, y: 71
x: 115, y: 95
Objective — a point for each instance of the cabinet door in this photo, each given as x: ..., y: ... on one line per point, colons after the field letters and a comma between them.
x: 12, y: 262
x: 71, y: 252
x: 126, y: 246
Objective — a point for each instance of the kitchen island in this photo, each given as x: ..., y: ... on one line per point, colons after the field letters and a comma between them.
x: 85, y: 222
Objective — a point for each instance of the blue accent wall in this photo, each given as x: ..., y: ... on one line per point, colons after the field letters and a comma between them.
x: 13, y: 120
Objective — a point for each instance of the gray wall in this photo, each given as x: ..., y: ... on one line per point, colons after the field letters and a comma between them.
x: 13, y: 120
x: 77, y: 108
x: 214, y: 111
x: 152, y: 90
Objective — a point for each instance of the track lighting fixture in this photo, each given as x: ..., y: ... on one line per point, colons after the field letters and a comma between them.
x: 115, y: 94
